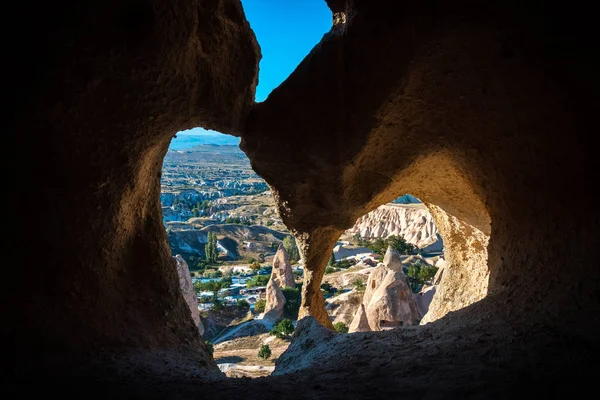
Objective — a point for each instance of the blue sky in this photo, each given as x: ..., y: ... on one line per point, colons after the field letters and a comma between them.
x: 286, y: 30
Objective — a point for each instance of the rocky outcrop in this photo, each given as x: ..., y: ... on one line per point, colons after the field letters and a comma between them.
x: 388, y: 301
x: 463, y: 275
x: 341, y: 308
x: 187, y: 290
x: 275, y: 302
x: 282, y: 269
x: 360, y: 323
x: 424, y: 298
x: 413, y: 222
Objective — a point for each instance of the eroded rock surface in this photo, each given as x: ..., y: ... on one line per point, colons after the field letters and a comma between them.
x: 388, y: 301
x: 464, y: 276
x: 282, y: 269
x: 188, y: 291
x: 275, y: 302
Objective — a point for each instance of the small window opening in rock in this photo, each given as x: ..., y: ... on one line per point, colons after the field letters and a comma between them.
x: 228, y: 240
x: 388, y: 263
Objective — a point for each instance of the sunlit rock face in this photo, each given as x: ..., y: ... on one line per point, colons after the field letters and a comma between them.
x: 414, y: 223
x: 282, y: 269
x: 388, y: 301
x: 275, y: 302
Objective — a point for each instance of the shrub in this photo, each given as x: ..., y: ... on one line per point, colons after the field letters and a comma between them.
x: 210, y: 347
x: 340, y: 327
x: 289, y: 243
x: 292, y: 302
x: 242, y: 303
x: 358, y: 285
x: 259, y: 306
x: 264, y: 352
x: 258, y: 280
x: 283, y: 329
x: 329, y: 270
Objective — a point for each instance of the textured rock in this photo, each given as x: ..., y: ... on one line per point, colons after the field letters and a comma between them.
x: 188, y: 292
x: 463, y: 278
x: 388, y: 301
x: 341, y: 308
x: 424, y: 298
x: 275, y: 302
x: 487, y: 110
x: 112, y: 82
x: 360, y: 323
x: 282, y: 269
x: 413, y: 222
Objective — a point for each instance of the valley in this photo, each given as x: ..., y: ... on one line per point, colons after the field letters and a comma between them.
x: 246, y: 271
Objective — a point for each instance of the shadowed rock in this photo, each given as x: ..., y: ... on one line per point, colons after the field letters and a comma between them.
x: 275, y: 302
x: 188, y: 292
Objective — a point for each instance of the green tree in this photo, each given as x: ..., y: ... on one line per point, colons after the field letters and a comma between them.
x: 340, y: 327
x: 264, y: 352
x: 210, y: 248
x: 257, y: 280
x: 331, y: 261
x: 292, y: 302
x: 289, y: 243
x: 283, y: 329
x: 259, y: 306
x: 242, y: 304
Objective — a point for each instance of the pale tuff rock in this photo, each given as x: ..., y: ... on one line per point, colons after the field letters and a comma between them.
x: 388, y: 301
x: 413, y: 222
x: 424, y: 298
x: 187, y: 290
x: 275, y: 302
x: 463, y: 276
x: 360, y: 322
x: 282, y: 269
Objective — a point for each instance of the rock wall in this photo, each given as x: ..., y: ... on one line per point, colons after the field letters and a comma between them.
x: 188, y: 292
x: 100, y: 92
x: 413, y: 222
x: 465, y: 276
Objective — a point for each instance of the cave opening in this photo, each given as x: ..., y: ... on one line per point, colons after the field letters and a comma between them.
x: 365, y: 291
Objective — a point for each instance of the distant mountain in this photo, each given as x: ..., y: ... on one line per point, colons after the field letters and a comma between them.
x: 184, y: 142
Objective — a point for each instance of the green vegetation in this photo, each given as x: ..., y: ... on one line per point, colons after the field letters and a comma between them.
x: 380, y: 245
x: 292, y: 302
x: 283, y: 329
x: 259, y: 306
x: 340, y: 327
x: 419, y: 274
x: 331, y: 261
x: 264, y: 352
x: 359, y: 285
x: 212, y: 286
x: 201, y: 208
x: 289, y: 243
x: 210, y: 347
x: 330, y: 270
x: 238, y: 220
x: 257, y: 281
x: 210, y: 249
x: 344, y: 263
x: 243, y: 304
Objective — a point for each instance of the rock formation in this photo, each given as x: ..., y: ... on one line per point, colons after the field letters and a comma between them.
x: 360, y: 323
x: 275, y: 302
x: 463, y: 276
x: 282, y: 269
x: 388, y: 301
x: 413, y: 222
x: 187, y: 290
x: 488, y: 110
x: 424, y: 298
